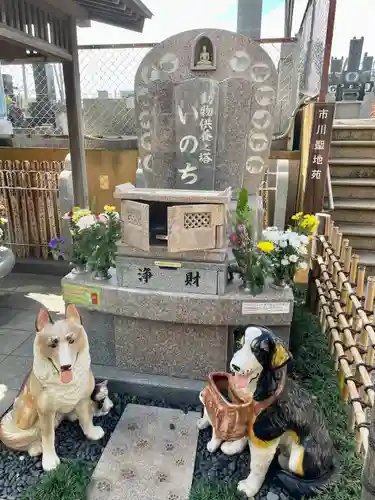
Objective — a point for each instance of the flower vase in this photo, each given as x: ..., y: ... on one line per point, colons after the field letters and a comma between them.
x: 79, y: 268
x: 102, y: 275
x: 279, y: 284
x: 55, y: 254
x: 249, y: 288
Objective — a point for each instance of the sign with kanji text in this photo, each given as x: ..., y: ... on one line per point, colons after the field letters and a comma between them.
x: 316, y: 175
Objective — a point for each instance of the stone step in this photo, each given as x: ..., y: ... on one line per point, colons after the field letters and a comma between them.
x: 150, y: 455
x: 354, y: 210
x: 352, y: 149
x: 361, y: 236
x: 352, y: 167
x: 359, y: 130
x: 344, y: 187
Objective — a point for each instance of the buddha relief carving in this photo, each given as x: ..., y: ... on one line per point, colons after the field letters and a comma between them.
x: 204, y: 55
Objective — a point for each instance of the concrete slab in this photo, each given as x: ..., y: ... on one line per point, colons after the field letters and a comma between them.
x: 21, y: 320
x: 177, y: 391
x: 26, y: 349
x: 7, y: 401
x: 13, y: 370
x: 10, y: 340
x: 150, y: 455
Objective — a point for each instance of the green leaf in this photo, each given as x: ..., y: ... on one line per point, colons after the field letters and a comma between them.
x: 242, y: 200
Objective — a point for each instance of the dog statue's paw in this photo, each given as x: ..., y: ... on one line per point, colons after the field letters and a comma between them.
x: 202, y: 423
x: 35, y: 449
x: 246, y: 487
x: 233, y: 447
x: 50, y: 461
x: 213, y: 445
x: 95, y: 434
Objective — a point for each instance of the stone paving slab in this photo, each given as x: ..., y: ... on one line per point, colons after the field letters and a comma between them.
x: 7, y: 400
x: 10, y: 340
x: 150, y: 456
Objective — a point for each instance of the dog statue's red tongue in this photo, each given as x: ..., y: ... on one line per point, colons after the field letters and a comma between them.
x: 241, y: 381
x: 66, y: 376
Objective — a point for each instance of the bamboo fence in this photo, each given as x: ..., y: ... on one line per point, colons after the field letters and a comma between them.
x: 345, y: 306
x: 29, y: 200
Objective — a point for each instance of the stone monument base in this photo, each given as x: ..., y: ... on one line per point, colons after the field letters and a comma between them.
x: 183, y: 335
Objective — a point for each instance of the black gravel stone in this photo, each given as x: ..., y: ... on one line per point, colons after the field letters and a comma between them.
x: 26, y: 471
x: 217, y: 468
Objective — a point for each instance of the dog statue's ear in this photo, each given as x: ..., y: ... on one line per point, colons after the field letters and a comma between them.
x: 281, y: 356
x: 42, y: 320
x: 72, y: 313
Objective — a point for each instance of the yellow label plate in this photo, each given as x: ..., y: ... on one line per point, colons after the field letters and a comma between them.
x: 159, y: 263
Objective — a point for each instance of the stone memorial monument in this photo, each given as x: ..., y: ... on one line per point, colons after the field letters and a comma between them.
x: 204, y: 106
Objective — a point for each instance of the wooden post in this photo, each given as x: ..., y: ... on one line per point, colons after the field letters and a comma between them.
x: 316, y: 175
x: 75, y: 121
x: 368, y: 476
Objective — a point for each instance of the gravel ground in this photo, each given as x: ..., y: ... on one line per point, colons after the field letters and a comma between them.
x: 18, y: 471
x: 219, y: 468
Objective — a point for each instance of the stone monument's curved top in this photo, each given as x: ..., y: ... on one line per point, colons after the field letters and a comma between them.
x: 205, y: 102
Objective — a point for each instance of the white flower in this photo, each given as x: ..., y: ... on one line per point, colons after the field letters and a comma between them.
x: 293, y: 258
x: 1, y: 233
x: 284, y: 262
x: 283, y: 244
x: 303, y: 265
x: 86, y: 221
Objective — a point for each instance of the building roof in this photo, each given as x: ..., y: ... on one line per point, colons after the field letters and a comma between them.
x: 128, y: 14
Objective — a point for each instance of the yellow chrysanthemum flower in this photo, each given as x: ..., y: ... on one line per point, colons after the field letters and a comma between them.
x: 266, y: 246
x: 109, y: 209
x: 297, y: 216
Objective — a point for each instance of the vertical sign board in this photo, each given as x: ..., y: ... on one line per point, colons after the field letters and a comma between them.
x: 320, y: 142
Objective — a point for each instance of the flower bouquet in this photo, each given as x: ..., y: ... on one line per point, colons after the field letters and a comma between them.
x: 105, y: 234
x: 305, y: 224
x: 81, y: 224
x: 288, y: 254
x: 252, y: 259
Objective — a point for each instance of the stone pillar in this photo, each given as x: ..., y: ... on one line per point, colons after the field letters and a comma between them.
x: 288, y: 85
x: 75, y: 122
x: 249, y: 18
x: 66, y: 202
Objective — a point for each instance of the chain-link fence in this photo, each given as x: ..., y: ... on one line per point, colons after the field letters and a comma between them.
x: 36, y: 94
x: 312, y: 39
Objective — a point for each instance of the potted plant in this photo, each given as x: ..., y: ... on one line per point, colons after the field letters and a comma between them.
x: 288, y: 254
x: 104, y: 236
x: 251, y: 257
x: 81, y: 225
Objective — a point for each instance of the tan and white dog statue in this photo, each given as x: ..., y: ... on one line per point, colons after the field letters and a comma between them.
x: 60, y: 385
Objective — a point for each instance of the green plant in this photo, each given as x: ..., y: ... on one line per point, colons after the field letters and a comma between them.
x: 251, y: 258
x: 68, y: 482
